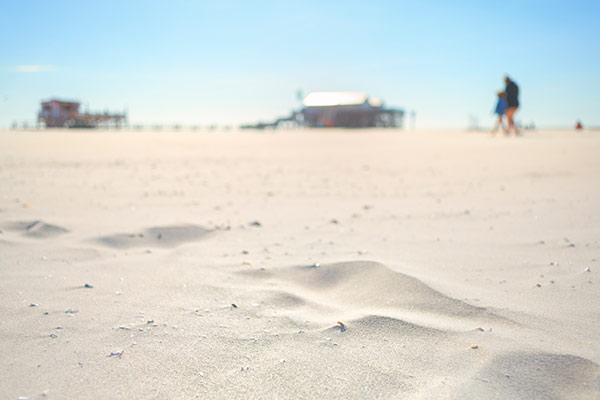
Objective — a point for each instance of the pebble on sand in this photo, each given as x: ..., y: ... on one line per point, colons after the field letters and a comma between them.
x: 255, y: 223
x: 116, y: 353
x: 88, y: 286
x: 474, y: 346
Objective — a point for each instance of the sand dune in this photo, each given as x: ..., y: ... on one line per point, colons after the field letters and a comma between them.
x: 383, y: 265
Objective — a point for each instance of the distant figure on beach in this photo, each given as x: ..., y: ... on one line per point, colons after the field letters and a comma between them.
x: 499, y: 111
x: 578, y: 125
x: 512, y: 103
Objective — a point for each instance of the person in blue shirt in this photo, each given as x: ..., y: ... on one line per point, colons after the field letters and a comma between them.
x: 500, y: 111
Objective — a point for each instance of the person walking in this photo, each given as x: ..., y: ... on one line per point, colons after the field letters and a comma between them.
x: 512, y: 103
x: 499, y: 111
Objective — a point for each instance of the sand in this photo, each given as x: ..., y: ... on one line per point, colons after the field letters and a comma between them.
x: 309, y: 264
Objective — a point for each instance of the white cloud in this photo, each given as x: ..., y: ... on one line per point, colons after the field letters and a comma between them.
x: 34, y: 68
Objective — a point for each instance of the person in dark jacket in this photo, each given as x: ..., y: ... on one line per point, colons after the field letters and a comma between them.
x: 512, y: 103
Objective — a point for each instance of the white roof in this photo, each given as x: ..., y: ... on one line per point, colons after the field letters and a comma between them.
x: 323, y: 99
x: 375, y: 102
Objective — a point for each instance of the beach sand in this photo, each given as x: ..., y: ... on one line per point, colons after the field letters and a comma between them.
x: 308, y: 264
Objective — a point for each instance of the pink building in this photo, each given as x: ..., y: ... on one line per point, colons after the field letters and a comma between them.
x: 65, y: 114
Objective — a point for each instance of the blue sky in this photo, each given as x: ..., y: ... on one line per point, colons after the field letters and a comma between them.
x: 228, y: 62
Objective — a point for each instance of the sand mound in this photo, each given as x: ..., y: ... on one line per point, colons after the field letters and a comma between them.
x: 535, y: 376
x: 159, y: 236
x: 37, y: 229
x: 370, y: 285
x: 368, y: 297
x: 382, y: 325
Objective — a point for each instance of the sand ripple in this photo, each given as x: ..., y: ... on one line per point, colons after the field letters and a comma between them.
x: 37, y: 229
x: 158, y: 236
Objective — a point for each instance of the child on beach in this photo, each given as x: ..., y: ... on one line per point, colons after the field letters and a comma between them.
x: 500, y: 109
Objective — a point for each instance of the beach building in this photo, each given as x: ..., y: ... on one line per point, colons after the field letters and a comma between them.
x: 348, y: 110
x: 338, y: 109
x: 65, y: 114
